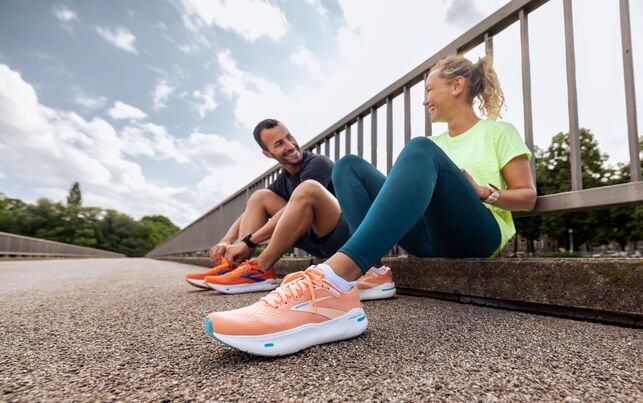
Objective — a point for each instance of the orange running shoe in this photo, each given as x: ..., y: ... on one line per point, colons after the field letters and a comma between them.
x: 197, y: 279
x: 248, y: 277
x: 374, y: 285
x: 304, y: 311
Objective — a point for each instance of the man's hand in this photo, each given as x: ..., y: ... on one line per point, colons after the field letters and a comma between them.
x: 482, y: 192
x: 218, y: 251
x: 238, y: 253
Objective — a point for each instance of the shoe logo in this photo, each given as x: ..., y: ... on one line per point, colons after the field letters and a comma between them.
x: 327, y: 312
x: 250, y: 275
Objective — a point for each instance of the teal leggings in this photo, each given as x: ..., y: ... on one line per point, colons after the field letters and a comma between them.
x: 426, y: 205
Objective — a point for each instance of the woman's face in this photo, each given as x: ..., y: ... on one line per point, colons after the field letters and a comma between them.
x: 439, y: 96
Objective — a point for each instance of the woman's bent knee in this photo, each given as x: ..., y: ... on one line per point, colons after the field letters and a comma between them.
x: 344, y: 166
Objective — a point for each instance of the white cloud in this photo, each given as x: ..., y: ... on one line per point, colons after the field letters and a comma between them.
x: 207, y: 102
x: 318, y: 6
x: 162, y: 92
x: 51, y: 148
x: 249, y: 18
x: 305, y: 58
x: 120, y: 37
x: 88, y: 101
x: 64, y: 14
x: 121, y: 110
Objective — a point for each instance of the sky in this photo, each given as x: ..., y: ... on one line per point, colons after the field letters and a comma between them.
x: 150, y: 105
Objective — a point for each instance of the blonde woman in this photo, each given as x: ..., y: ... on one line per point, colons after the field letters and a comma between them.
x: 449, y: 195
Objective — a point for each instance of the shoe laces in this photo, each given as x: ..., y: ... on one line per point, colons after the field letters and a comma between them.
x: 224, y: 263
x: 295, y: 285
x: 247, y: 266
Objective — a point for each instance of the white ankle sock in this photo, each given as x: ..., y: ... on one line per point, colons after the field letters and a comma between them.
x: 334, y: 279
x: 379, y: 270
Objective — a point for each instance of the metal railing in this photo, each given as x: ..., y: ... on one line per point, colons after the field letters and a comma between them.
x: 12, y: 245
x: 200, y: 235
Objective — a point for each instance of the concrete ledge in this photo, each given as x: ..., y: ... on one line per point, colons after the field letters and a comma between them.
x: 604, y: 290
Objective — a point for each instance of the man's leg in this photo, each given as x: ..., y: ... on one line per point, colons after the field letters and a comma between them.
x: 311, y: 205
x: 262, y: 205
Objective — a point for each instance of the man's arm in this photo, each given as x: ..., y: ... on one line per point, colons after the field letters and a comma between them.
x: 219, y: 250
x: 239, y: 251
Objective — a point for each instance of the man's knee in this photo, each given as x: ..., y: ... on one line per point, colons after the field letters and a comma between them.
x: 261, y: 195
x: 307, y: 189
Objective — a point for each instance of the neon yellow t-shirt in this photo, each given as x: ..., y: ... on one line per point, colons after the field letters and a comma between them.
x: 483, y: 151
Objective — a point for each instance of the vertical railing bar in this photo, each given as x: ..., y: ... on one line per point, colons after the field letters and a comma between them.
x: 318, y: 149
x: 526, y: 89
x: 407, y: 114
x: 336, y: 137
x: 630, y: 95
x: 427, y: 115
x: 327, y: 146
x: 572, y: 98
x: 389, y: 134
x: 374, y: 136
x: 488, y: 45
x: 360, y: 136
x: 347, y: 133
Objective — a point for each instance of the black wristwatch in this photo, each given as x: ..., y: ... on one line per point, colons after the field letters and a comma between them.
x: 247, y: 241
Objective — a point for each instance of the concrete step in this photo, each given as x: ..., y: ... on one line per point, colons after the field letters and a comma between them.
x: 602, y: 290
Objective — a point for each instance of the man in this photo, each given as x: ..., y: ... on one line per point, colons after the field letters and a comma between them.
x: 298, y: 209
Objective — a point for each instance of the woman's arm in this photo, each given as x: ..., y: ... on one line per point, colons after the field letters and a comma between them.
x: 520, y: 194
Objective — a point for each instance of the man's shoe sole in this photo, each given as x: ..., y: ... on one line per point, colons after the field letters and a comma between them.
x: 291, y: 341
x: 197, y: 283
x: 267, y: 285
x: 383, y: 291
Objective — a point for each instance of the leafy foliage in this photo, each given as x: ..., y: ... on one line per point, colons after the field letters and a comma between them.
x: 84, y: 226
x: 593, y: 227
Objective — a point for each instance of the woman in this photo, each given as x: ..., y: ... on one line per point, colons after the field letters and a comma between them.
x: 446, y: 196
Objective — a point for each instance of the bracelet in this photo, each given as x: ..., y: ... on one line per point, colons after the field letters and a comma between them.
x: 495, y: 194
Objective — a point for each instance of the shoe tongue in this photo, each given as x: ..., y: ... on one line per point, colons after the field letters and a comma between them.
x: 315, y: 271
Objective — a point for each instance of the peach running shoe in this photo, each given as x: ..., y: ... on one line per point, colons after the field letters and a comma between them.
x: 373, y: 285
x: 248, y: 277
x: 197, y: 279
x: 304, y: 311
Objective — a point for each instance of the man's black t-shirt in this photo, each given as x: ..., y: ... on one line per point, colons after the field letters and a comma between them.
x: 313, y: 166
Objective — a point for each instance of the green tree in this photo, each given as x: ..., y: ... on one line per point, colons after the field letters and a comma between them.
x: 553, y: 170
x: 159, y: 229
x: 75, y: 198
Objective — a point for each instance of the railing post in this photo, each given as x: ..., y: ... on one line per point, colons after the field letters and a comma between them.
x: 630, y: 96
x: 572, y: 98
x: 347, y: 133
x: 526, y: 89
x: 389, y: 134
x: 360, y: 136
x: 407, y: 114
x: 427, y: 115
x: 374, y: 136
x: 336, y: 137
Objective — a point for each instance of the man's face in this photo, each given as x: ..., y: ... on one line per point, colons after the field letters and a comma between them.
x: 281, y: 145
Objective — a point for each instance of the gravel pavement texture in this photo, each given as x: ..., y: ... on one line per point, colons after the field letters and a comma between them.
x: 130, y: 330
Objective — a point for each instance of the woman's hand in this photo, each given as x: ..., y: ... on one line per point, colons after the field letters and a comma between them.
x: 482, y: 192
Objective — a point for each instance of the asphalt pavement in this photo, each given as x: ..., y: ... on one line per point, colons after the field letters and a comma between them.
x: 130, y: 330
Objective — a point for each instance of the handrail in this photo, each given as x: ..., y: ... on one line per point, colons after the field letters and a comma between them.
x: 20, y: 245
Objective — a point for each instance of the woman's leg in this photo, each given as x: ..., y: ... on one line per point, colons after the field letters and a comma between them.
x: 426, y: 205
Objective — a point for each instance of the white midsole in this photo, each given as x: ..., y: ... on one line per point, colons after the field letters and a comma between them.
x: 198, y: 283
x: 386, y: 290
x: 266, y: 285
x: 290, y: 341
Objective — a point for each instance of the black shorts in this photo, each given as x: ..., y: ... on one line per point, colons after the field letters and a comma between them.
x: 327, y: 245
